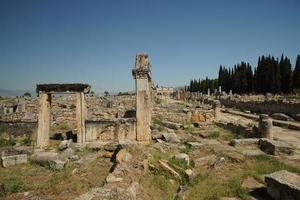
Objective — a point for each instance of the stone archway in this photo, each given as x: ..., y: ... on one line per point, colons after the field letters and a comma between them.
x: 44, y: 91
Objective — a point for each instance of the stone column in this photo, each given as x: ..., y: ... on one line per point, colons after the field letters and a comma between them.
x: 208, y: 92
x: 80, y: 116
x: 265, y: 126
x: 217, y: 110
x: 42, y: 140
x: 142, y: 76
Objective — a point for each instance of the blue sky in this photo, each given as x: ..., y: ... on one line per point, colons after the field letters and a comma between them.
x: 95, y: 41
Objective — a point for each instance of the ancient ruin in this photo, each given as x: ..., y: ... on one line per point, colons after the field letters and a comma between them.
x: 143, y: 87
x: 126, y: 146
x: 44, y: 92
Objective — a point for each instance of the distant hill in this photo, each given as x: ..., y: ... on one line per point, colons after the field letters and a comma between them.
x: 11, y: 93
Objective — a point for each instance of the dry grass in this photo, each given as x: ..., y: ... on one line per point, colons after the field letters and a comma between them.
x: 66, y: 184
x: 227, y: 180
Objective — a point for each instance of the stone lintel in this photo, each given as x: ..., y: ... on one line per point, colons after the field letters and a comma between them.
x: 62, y: 88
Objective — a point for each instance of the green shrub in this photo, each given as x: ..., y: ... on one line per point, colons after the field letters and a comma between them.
x: 214, y: 135
x: 4, y: 142
x: 27, y: 141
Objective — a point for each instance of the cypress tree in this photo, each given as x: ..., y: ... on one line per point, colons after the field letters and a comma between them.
x: 296, y: 76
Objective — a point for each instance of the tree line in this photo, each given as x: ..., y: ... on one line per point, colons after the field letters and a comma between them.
x: 269, y: 76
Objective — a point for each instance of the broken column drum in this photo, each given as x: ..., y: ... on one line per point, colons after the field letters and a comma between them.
x: 265, y: 126
x: 142, y: 76
x: 217, y: 110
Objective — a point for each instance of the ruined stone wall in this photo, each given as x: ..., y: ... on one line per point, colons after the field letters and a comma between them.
x: 119, y: 130
x: 267, y: 107
x: 17, y: 129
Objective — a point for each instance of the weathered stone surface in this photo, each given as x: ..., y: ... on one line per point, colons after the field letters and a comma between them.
x: 210, y: 142
x: 111, y: 147
x: 112, y: 179
x: 234, y: 156
x: 195, y: 145
x: 57, y: 164
x: 218, y: 163
x: 73, y: 87
x: 44, y: 157
x: 74, y: 158
x: 281, y: 116
x: 189, y: 173
x: 107, y: 154
x: 251, y: 184
x: 265, y: 127
x: 243, y: 142
x: 8, y: 161
x: 123, y: 156
x: 296, y: 117
x: 171, y: 137
x: 164, y: 164
x: 142, y: 75
x: 207, y: 160
x: 67, y: 153
x: 283, y: 185
x: 183, y: 156
x: 196, y: 118
x: 50, y: 159
x: 172, y: 125
x: 274, y: 147
x: 252, y: 152
x: 64, y: 144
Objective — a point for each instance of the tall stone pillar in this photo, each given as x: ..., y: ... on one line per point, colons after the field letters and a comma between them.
x: 208, y: 92
x: 80, y: 115
x: 42, y: 140
x: 142, y: 76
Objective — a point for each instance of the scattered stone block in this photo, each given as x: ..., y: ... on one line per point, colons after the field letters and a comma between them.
x: 196, y: 118
x: 234, y: 156
x: 283, y: 185
x: 107, y: 154
x: 265, y: 127
x: 218, y: 163
x: 296, y: 117
x: 189, y: 173
x: 183, y: 156
x: 8, y: 161
x: 43, y: 157
x: 251, y: 184
x: 281, y: 116
x: 244, y: 142
x: 57, y: 164
x: 273, y: 147
x: 64, y: 144
x: 207, y: 160
x: 252, y: 152
x: 123, y: 156
x: 112, y: 179
x: 210, y: 142
x: 164, y: 164
x: 74, y: 158
x: 171, y: 137
x: 172, y: 125
x: 50, y: 159
x: 112, y: 147
x: 195, y: 145
x: 67, y: 153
